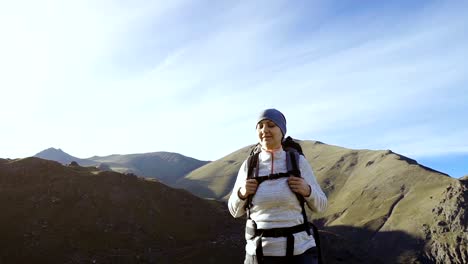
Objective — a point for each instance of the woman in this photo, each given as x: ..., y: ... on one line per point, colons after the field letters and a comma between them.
x: 273, y: 205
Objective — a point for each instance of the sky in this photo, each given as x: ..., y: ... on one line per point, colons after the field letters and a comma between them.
x: 122, y: 77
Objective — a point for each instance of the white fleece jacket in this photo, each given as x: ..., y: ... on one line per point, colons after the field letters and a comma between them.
x: 275, y: 205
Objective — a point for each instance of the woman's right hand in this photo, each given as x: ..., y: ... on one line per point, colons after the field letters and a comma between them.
x: 249, y: 188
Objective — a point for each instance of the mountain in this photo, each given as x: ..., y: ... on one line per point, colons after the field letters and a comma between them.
x: 62, y: 157
x: 165, y: 166
x: 389, y: 206
x: 71, y: 214
x: 383, y: 207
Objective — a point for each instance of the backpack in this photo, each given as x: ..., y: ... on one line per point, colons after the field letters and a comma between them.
x: 293, y: 152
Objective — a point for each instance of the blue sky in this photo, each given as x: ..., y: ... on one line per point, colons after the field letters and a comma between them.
x: 119, y: 77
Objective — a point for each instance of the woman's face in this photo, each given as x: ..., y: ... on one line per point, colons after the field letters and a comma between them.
x: 269, y: 134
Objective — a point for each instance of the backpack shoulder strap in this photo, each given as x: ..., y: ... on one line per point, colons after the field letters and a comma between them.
x: 294, y: 152
x: 252, y: 164
x: 317, y: 243
x: 292, y: 162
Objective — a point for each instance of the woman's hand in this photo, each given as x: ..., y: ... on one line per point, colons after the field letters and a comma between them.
x: 299, y: 185
x: 249, y: 188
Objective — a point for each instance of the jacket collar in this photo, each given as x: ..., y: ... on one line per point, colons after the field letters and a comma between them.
x: 268, y: 154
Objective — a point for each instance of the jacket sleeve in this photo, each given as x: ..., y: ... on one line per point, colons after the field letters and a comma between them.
x: 317, y: 201
x: 236, y: 204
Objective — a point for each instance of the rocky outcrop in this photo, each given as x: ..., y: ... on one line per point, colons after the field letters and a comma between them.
x: 446, y: 243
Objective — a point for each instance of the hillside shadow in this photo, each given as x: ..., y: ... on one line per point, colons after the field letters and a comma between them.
x: 348, y: 244
x: 52, y: 213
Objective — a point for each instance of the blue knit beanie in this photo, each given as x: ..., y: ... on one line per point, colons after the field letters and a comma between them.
x: 276, y: 116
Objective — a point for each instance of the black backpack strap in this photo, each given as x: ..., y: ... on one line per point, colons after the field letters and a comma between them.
x: 290, y: 246
x: 304, y: 215
x: 287, y: 232
x: 259, y: 250
x: 317, y: 243
x: 292, y: 163
x: 294, y: 160
x: 293, y: 168
x: 272, y: 176
x: 252, y: 163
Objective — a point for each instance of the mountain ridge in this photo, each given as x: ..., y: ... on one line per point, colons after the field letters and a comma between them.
x: 167, y: 167
x: 377, y: 192
x: 57, y: 154
x: 383, y: 202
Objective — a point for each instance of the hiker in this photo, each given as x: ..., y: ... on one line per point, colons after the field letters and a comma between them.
x: 266, y: 189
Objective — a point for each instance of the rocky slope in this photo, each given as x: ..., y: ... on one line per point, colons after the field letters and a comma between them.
x: 446, y: 246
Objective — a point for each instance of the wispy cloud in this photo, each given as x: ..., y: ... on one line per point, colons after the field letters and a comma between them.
x: 190, y: 76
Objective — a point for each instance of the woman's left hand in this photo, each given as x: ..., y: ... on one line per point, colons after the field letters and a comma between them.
x: 299, y: 185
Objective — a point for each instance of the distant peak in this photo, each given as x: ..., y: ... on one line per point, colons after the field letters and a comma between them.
x: 56, y: 155
x: 53, y: 150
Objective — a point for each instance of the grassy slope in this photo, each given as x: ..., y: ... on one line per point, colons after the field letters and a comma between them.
x: 379, y: 191
x: 215, y: 179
